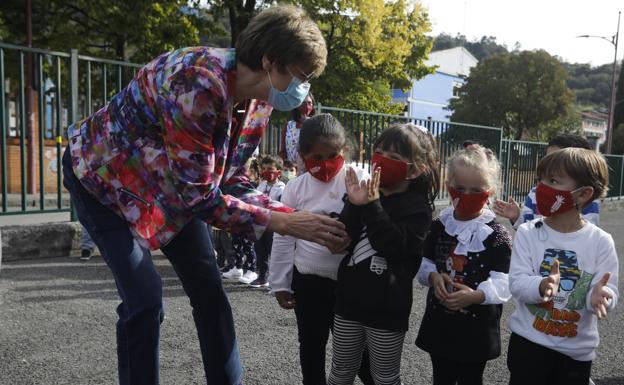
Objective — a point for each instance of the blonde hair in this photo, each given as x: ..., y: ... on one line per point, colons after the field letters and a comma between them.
x: 286, y: 35
x: 478, y: 158
x: 585, y: 167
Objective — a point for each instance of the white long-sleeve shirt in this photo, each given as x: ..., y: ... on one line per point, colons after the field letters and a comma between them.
x: 307, y: 193
x: 567, y: 323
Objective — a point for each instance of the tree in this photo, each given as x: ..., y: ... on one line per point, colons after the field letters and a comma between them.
x: 618, y: 140
x: 135, y: 30
x: 373, y: 46
x: 519, y: 91
x: 483, y: 48
x: 618, y: 111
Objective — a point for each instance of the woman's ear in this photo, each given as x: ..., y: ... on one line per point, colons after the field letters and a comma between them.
x: 266, y: 63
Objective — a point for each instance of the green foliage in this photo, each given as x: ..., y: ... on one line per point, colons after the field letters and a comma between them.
x: 519, y: 91
x: 618, y: 116
x: 373, y: 46
x: 592, y: 85
x: 136, y: 30
x: 618, y: 140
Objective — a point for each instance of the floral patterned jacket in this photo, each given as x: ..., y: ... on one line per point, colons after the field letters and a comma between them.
x: 164, y: 149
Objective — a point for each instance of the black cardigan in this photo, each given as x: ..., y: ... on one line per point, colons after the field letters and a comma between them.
x: 472, y: 334
x: 375, y: 277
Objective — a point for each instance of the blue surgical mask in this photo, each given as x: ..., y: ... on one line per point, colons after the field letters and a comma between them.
x: 292, y: 97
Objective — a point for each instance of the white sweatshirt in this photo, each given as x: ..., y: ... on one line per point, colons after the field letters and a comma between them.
x: 306, y: 193
x: 566, y: 324
x: 274, y: 191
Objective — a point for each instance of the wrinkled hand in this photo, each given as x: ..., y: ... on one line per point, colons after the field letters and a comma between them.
x: 463, y: 297
x: 362, y: 192
x: 600, y: 297
x: 311, y: 227
x: 509, y: 210
x: 285, y: 299
x: 550, y: 285
x: 339, y: 246
x: 438, y: 283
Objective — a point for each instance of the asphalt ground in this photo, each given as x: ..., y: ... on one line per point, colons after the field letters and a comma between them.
x: 57, y: 320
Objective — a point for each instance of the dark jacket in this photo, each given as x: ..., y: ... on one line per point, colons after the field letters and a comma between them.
x: 375, y: 278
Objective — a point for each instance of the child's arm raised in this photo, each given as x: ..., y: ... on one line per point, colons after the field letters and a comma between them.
x: 524, y: 281
x: 603, y: 296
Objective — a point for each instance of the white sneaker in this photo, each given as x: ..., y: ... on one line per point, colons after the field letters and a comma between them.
x: 248, y: 277
x: 234, y: 273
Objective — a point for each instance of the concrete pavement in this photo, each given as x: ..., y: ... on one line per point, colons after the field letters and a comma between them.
x: 57, y: 319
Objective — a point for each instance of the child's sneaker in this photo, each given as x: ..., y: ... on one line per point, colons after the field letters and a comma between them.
x: 233, y: 273
x: 248, y: 277
x: 260, y: 282
x: 85, y: 255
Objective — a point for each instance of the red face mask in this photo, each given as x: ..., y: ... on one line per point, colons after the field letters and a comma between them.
x: 468, y: 204
x: 392, y: 171
x: 551, y: 201
x: 324, y: 170
x: 270, y: 176
x: 306, y: 109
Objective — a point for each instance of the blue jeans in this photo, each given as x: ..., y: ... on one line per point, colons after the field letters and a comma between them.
x: 139, y: 285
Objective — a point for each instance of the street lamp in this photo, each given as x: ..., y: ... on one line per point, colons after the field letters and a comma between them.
x: 613, y: 40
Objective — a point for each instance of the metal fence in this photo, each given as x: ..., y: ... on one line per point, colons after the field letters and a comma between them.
x: 518, y: 158
x: 41, y: 91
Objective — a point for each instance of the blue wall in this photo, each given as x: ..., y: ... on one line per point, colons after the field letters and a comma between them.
x: 429, y: 96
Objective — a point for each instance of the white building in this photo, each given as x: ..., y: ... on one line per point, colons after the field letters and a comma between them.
x: 594, y: 125
x: 429, y: 97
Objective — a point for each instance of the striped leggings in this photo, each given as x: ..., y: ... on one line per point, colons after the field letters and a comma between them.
x: 385, y: 348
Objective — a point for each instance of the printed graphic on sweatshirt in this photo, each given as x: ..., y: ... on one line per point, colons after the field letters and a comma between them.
x: 453, y: 264
x: 559, y: 317
x: 364, y: 251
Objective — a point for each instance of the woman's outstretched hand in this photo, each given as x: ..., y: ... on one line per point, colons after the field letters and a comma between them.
x: 325, y: 231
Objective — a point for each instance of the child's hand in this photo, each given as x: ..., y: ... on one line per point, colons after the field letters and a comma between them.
x: 438, y: 283
x: 509, y: 210
x: 600, y: 297
x: 463, y: 297
x: 285, y: 299
x: 362, y: 192
x: 550, y: 285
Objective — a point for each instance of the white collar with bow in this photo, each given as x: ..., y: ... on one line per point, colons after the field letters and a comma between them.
x: 470, y: 234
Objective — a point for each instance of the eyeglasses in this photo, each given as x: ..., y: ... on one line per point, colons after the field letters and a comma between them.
x: 304, y: 79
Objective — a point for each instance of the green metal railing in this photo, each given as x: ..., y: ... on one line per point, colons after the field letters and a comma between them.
x: 518, y: 158
x: 67, y: 86
x: 63, y: 87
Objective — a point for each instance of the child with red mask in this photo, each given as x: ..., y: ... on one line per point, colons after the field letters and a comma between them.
x: 465, y: 266
x: 289, y: 146
x: 387, y: 220
x: 563, y: 275
x: 303, y: 274
x: 271, y: 185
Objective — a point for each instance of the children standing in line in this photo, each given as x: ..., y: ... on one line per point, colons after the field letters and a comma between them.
x: 387, y: 219
x: 303, y: 274
x: 530, y: 211
x: 563, y: 275
x: 465, y: 264
x: 271, y: 185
